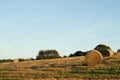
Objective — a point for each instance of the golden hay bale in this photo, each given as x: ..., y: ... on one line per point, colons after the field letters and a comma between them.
x: 107, y: 53
x: 93, y: 57
x: 16, y: 60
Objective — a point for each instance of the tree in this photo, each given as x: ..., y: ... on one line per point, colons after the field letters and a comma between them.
x: 47, y: 54
x: 52, y: 54
x: 85, y: 53
x: 102, y: 47
x: 118, y: 50
x: 6, y: 60
x: 71, y: 55
x: 41, y: 55
x: 64, y: 56
x: 79, y: 53
x: 31, y: 58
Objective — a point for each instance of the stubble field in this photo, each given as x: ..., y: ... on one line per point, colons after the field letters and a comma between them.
x: 73, y: 68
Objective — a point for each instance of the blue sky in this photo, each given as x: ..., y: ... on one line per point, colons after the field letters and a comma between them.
x: 27, y: 26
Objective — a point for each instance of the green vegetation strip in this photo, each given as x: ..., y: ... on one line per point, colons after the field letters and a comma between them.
x: 96, y: 71
x: 83, y: 74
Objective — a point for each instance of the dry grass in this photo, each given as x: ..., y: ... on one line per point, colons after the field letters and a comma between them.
x: 73, y: 68
x: 117, y: 55
x: 45, y: 65
x: 113, y: 61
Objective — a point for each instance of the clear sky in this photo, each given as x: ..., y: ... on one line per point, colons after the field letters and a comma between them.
x: 27, y: 26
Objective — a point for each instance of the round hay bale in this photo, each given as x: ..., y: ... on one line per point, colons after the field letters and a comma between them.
x: 16, y: 60
x: 107, y: 53
x: 93, y: 57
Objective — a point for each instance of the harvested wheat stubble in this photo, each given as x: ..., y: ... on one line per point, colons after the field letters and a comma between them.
x: 107, y: 53
x: 93, y: 57
x: 117, y: 55
x: 113, y: 62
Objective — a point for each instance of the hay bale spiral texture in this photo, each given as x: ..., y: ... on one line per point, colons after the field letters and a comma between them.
x: 93, y: 57
x: 107, y: 53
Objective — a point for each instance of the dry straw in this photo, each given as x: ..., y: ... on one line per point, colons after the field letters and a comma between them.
x: 16, y: 60
x: 117, y: 55
x: 107, y: 53
x: 93, y: 57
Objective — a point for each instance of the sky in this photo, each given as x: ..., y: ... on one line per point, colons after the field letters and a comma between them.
x: 28, y: 26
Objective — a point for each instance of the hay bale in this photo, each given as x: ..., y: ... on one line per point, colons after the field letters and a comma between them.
x: 16, y: 60
x: 107, y: 53
x: 93, y: 57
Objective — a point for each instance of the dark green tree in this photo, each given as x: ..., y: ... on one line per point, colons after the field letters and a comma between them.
x: 101, y: 47
x: 64, y: 56
x: 47, y: 54
x: 118, y: 50
x: 85, y: 53
x: 41, y: 55
x: 71, y: 55
x: 6, y: 60
x: 79, y: 53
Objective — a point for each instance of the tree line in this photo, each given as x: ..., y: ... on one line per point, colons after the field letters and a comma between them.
x: 52, y: 54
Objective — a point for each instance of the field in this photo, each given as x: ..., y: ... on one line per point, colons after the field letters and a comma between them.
x: 73, y: 68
